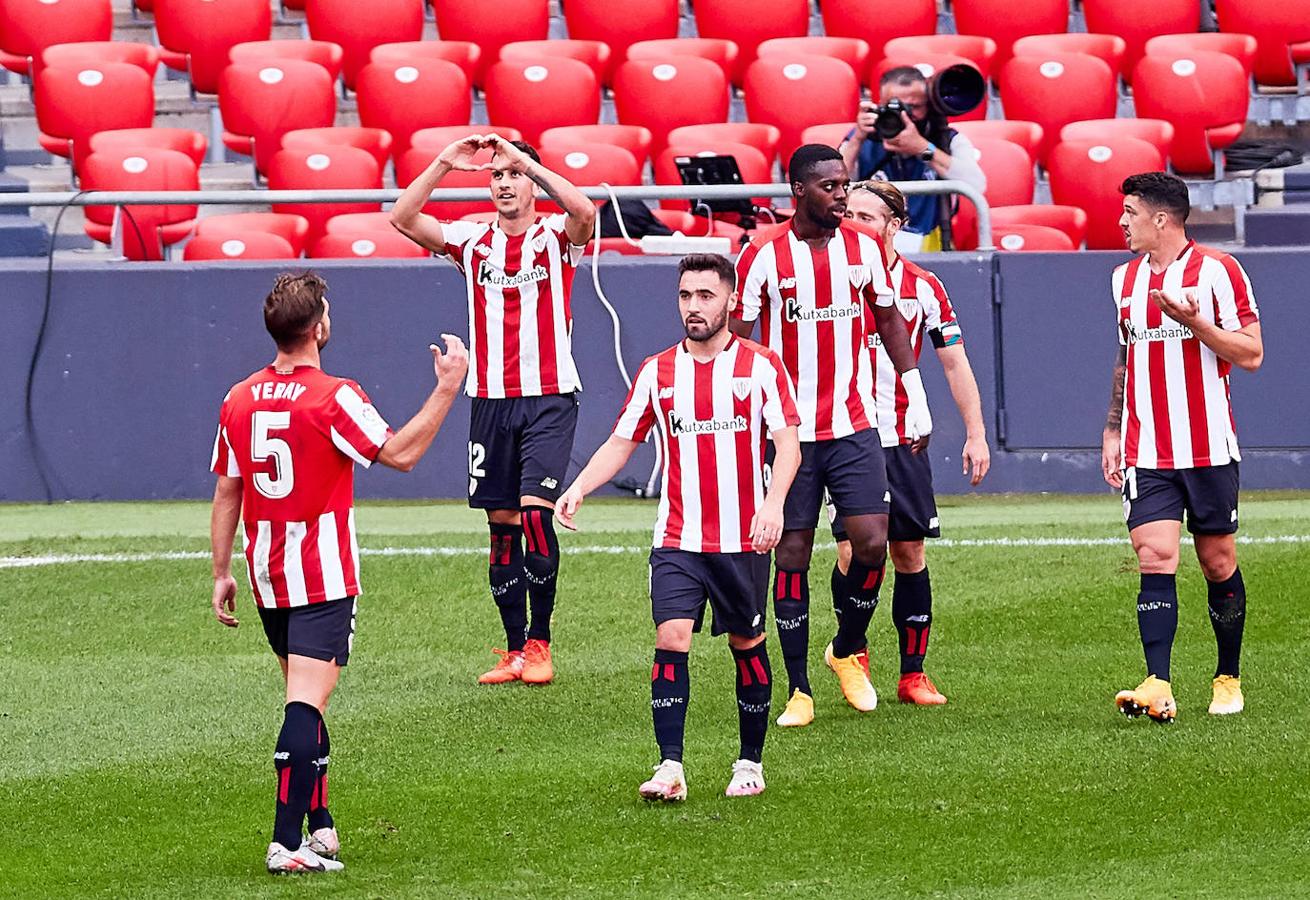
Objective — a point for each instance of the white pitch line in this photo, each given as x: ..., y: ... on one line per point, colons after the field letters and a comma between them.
x: 24, y: 562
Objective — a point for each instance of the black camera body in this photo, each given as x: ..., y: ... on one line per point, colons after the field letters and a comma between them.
x: 887, y: 121
x: 953, y: 91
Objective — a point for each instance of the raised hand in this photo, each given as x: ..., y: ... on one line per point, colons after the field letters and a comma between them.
x: 452, y: 365
x: 459, y: 155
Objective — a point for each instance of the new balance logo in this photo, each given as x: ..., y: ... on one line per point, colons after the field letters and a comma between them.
x: 482, y: 250
x: 281, y: 756
x: 787, y: 284
x: 795, y: 311
x: 666, y: 393
x: 550, y: 483
x: 916, y: 619
x: 679, y: 426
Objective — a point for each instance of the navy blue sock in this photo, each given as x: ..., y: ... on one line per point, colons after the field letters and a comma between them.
x: 508, y: 584
x: 670, y: 691
x: 754, y: 691
x: 837, y: 584
x: 791, y: 613
x: 541, y: 565
x: 294, y: 759
x: 1157, y: 621
x: 319, y: 817
x: 860, y: 599
x: 912, y: 616
x: 1228, y: 616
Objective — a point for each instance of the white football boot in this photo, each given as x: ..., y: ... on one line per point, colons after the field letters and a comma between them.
x: 281, y: 860
x: 325, y: 843
x: 747, y: 779
x: 667, y: 784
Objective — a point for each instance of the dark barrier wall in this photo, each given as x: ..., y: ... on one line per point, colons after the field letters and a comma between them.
x: 136, y: 360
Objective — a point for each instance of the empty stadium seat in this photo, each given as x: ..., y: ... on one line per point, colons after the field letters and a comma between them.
x: 402, y: 97
x: 928, y: 64
x: 792, y: 95
x: 594, y: 53
x: 196, y: 36
x: 513, y: 20
x: 1281, y: 29
x: 748, y: 23
x: 191, y: 143
x: 1088, y: 173
x: 1010, y: 181
x: 878, y: 23
x: 697, y: 226
x: 29, y: 26
x: 586, y: 165
x: 291, y: 228
x: 261, y: 102
x: 852, y: 51
x: 722, y: 53
x: 1069, y: 219
x: 434, y: 140
x: 92, y: 53
x: 1056, y: 89
x: 324, y: 168
x: 356, y: 222
x: 359, y: 27
x: 252, y: 245
x: 1109, y: 48
x: 72, y: 103
x: 1005, y: 23
x: 145, y: 230
x: 620, y: 25
x: 1030, y: 238
x: 1156, y: 132
x: 760, y: 135
x: 325, y: 53
x: 1027, y: 135
x: 833, y: 134
x: 1138, y: 22
x: 411, y: 164
x: 376, y: 142
x: 379, y: 244
x: 981, y: 51
x: 633, y: 138
x: 1203, y: 94
x: 536, y: 95
x: 461, y: 53
x: 665, y: 95
x: 1241, y: 47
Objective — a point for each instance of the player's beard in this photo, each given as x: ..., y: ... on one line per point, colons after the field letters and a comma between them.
x: 705, y: 332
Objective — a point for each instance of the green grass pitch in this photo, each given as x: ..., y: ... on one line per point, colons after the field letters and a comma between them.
x: 136, y: 734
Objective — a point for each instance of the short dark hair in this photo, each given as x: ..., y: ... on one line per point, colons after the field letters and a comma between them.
x: 888, y: 193
x: 294, y: 307
x: 709, y: 262
x: 806, y: 157
x: 527, y: 148
x: 1160, y: 190
x: 905, y: 76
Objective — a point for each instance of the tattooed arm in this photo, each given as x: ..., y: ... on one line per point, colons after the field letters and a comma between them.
x: 1111, y: 453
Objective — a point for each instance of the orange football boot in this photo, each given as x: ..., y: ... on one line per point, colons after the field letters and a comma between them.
x: 537, y: 665
x: 509, y: 668
x: 917, y: 688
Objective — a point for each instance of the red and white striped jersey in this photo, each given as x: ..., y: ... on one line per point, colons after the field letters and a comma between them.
x: 810, y: 304
x: 293, y: 440
x: 713, y: 418
x: 1177, y: 413
x: 922, y: 302
x: 520, y: 318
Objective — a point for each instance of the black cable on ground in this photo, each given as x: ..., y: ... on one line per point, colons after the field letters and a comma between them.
x: 1258, y: 155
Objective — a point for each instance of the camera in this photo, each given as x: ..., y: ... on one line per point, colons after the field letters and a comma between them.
x: 953, y: 91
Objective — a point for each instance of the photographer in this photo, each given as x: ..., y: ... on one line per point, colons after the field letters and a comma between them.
x: 924, y: 148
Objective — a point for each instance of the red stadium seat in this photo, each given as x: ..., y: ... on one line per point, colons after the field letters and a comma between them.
x: 1027, y: 135
x: 434, y: 140
x: 347, y: 223
x: 146, y: 230
x: 376, y: 141
x: 981, y: 51
x: 512, y: 20
x: 587, y: 165
x: 1057, y: 89
x: 379, y: 244
x: 1038, y: 238
x: 1156, y: 132
x: 1109, y: 48
x: 325, y: 53
x: 1069, y: 219
x: 621, y: 24
x: 261, y: 102
x: 1087, y: 174
x: 928, y: 64
x: 461, y: 53
x: 879, y: 23
x: 833, y: 134
x: 197, y: 35
x: 323, y: 169
x: 191, y: 143
x: 1204, y: 95
x: 760, y: 135
x: 536, y: 95
x: 290, y: 228
x: 754, y: 168
x: 1138, y: 22
x: 402, y: 97
x: 594, y: 53
x: 852, y: 51
x: 30, y: 26
x: 91, y: 53
x: 1241, y: 47
x: 411, y: 164
x: 1010, y: 181
x: 359, y: 27
x: 722, y: 53
x: 73, y: 103
x: 748, y: 23
x: 1005, y: 23
x: 1281, y: 29
x: 665, y: 95
x: 633, y: 138
x: 252, y: 245
x: 793, y: 95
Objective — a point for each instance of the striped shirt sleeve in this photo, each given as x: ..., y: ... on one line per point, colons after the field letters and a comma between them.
x: 570, y: 252
x: 457, y: 235
x: 878, y: 291
x: 222, y: 460
x: 939, y: 316
x: 638, y: 415
x: 752, y: 283
x: 779, y: 399
x: 357, y: 429
x: 1234, y: 300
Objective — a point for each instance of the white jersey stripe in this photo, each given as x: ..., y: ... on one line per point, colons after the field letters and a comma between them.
x: 329, y: 554
x: 354, y: 545
x: 263, y: 583
x: 347, y: 448
x: 293, y: 564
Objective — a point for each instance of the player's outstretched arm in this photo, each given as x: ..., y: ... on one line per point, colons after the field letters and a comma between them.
x: 896, y: 341
x: 604, y: 464
x: 407, y: 446
x: 407, y: 215
x: 222, y: 530
x: 976, y: 458
x: 579, y: 211
x: 766, y: 526
x: 1111, y: 452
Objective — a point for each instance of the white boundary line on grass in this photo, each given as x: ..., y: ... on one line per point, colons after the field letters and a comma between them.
x: 24, y: 562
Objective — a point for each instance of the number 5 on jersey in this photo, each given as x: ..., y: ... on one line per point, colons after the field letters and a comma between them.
x: 264, y: 447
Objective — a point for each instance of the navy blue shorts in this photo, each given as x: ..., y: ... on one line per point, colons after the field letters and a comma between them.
x: 735, y: 584
x: 849, y: 471
x: 913, y: 515
x: 323, y: 631
x: 1208, y: 494
x: 519, y: 447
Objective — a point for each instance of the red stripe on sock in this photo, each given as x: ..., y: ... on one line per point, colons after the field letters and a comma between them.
x: 923, y: 641
x: 911, y: 636
x: 542, y: 547
x: 796, y: 586
x: 313, y: 799
x: 655, y: 672
x: 283, y: 784
x: 668, y: 672
x: 761, y: 676
x: 743, y: 673
x: 873, y: 580
x: 780, y: 591
x: 527, y: 533
x: 322, y: 796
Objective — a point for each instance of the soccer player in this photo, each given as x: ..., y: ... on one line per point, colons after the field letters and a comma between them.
x: 288, y: 440
x: 811, y: 284
x: 1187, y: 315
x: 523, y: 381
x: 922, y: 304
x: 713, y: 397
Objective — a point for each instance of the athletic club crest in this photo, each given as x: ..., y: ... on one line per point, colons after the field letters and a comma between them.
x: 539, y: 242
x: 859, y: 276
x: 741, y: 388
